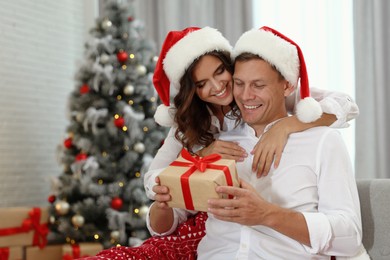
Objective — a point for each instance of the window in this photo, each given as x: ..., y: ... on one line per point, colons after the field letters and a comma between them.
x: 323, y: 29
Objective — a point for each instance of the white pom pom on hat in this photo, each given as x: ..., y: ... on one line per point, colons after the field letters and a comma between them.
x: 288, y: 59
x: 179, y: 50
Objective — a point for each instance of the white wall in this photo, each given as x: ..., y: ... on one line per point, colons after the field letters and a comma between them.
x: 40, y: 43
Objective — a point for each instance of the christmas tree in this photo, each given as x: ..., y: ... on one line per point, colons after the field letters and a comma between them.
x: 112, y: 136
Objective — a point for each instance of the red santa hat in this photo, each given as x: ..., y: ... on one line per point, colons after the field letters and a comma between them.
x: 180, y: 49
x: 287, y: 57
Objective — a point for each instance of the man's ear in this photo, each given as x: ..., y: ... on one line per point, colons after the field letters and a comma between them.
x: 288, y: 88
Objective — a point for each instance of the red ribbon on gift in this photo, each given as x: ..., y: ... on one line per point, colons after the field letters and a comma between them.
x: 201, y: 164
x: 32, y: 222
x: 4, y: 253
x: 76, y: 252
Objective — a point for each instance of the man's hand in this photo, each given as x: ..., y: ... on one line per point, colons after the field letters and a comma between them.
x: 247, y: 207
x: 228, y: 150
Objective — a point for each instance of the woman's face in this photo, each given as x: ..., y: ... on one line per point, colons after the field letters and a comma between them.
x: 213, y: 82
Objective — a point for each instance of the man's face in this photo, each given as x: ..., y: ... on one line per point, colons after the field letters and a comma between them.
x: 259, y: 93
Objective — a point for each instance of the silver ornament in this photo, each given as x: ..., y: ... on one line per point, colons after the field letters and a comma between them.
x: 141, y: 70
x: 78, y: 220
x: 62, y: 207
x: 128, y: 89
x: 143, y: 211
x: 115, y: 235
x: 106, y: 24
x: 139, y: 147
x: 104, y: 58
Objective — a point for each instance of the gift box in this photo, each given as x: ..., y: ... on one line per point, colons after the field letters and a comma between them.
x: 50, y: 252
x: 75, y: 251
x: 23, y: 226
x: 192, y: 180
x: 11, y: 253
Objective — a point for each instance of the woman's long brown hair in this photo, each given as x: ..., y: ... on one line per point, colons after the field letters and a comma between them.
x: 192, y: 116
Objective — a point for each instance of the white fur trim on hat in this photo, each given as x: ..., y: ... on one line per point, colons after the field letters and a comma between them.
x: 308, y: 110
x: 275, y: 50
x: 190, y: 47
x: 164, y: 115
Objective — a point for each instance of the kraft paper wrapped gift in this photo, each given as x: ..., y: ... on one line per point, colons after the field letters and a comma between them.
x: 49, y: 252
x: 11, y: 253
x: 192, y: 180
x: 70, y: 252
x: 23, y: 226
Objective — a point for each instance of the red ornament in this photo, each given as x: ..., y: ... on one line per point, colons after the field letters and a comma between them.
x: 81, y: 156
x: 122, y: 56
x: 119, y: 122
x: 51, y: 198
x: 130, y: 18
x: 68, y: 142
x: 84, y: 89
x: 116, y: 203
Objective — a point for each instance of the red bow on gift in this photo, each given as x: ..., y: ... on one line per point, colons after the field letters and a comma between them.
x: 31, y: 223
x: 201, y: 164
x: 76, y: 252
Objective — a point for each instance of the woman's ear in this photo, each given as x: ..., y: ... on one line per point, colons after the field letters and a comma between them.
x: 288, y: 88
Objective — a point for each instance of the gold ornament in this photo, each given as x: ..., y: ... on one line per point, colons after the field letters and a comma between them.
x: 62, y: 207
x: 141, y: 70
x: 128, y: 89
x: 115, y: 235
x: 139, y: 147
x: 106, y: 24
x: 78, y: 220
x: 143, y: 211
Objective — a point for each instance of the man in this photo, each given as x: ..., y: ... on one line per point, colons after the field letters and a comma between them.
x: 307, y: 208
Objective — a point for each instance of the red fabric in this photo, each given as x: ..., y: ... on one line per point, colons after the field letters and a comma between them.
x: 181, y: 245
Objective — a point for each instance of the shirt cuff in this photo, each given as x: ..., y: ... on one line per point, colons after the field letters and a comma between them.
x: 320, y: 232
x: 179, y: 216
x: 344, y: 110
x: 149, y: 182
x: 170, y: 231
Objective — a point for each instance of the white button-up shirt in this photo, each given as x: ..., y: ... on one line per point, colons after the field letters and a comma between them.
x: 314, y: 177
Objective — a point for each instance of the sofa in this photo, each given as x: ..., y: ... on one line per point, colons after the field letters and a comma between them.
x: 374, y: 197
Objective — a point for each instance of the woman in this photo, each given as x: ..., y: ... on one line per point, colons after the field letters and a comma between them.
x: 196, y: 62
